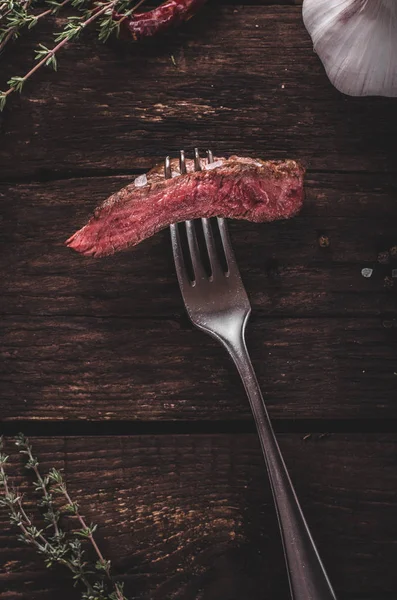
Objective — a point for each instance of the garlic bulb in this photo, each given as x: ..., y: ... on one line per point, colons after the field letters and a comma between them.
x: 357, y: 43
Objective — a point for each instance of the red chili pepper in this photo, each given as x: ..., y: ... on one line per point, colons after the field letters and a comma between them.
x: 158, y: 20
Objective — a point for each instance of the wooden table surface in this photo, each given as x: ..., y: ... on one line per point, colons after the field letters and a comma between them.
x: 100, y: 365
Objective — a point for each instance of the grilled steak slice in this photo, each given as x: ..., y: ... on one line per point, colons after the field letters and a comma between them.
x: 236, y: 188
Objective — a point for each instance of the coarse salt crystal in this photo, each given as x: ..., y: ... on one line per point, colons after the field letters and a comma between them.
x: 366, y: 272
x: 140, y: 181
x: 214, y: 165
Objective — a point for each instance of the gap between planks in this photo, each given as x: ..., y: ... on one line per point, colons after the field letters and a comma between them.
x: 54, y: 176
x: 215, y: 427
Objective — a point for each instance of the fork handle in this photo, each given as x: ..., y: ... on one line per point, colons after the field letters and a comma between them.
x: 307, y: 576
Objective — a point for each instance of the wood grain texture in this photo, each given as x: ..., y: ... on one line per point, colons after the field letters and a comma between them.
x: 191, y: 517
x: 121, y: 369
x: 284, y: 267
x: 109, y: 339
x: 246, y: 81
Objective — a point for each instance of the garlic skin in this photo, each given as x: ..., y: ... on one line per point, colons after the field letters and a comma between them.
x: 356, y: 41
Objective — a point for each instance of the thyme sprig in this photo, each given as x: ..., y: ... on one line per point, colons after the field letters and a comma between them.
x: 54, y: 543
x: 17, y: 15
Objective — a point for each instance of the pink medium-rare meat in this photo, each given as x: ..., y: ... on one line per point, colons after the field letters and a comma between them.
x: 236, y: 188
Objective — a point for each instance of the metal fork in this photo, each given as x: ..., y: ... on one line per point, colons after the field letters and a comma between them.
x: 219, y: 305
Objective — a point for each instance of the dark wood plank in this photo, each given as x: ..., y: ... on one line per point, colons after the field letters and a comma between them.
x: 246, y: 81
x: 110, y: 339
x: 121, y: 369
x: 192, y: 517
x: 284, y: 267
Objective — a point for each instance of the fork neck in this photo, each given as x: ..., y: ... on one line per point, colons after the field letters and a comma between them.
x: 230, y: 331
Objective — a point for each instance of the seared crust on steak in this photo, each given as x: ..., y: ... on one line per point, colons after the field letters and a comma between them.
x: 236, y: 188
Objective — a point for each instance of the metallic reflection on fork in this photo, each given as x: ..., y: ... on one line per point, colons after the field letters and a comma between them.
x: 218, y: 304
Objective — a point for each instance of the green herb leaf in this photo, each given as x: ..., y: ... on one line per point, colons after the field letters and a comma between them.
x: 55, y: 476
x: 21, y: 440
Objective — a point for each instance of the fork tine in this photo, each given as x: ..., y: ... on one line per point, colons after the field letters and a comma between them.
x: 167, y: 168
x: 180, y: 266
x: 197, y: 164
x: 182, y: 162
x: 198, y: 269
x: 216, y: 268
x: 227, y: 246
